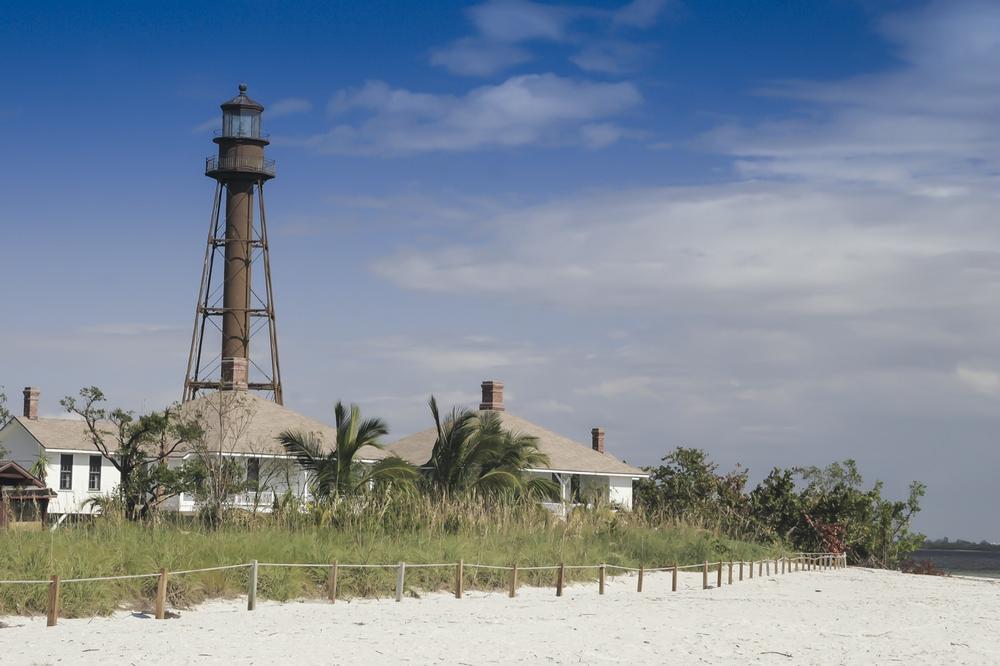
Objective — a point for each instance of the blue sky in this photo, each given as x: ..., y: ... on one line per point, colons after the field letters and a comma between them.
x: 761, y: 228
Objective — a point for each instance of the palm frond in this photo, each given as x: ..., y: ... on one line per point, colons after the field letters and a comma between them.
x: 392, y: 469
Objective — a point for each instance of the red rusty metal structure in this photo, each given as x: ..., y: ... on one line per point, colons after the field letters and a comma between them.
x: 237, y: 294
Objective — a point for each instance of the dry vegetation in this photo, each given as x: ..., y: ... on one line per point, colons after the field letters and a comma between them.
x: 367, y: 529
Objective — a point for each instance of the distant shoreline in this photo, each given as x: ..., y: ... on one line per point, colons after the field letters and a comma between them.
x: 962, y: 561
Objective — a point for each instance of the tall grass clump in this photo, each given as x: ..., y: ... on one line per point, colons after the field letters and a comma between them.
x: 372, y: 528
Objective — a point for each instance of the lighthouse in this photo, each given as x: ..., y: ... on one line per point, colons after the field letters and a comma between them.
x: 235, y: 306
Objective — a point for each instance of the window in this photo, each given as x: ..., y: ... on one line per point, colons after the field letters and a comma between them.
x: 241, y: 123
x: 253, y: 472
x: 94, y: 481
x: 66, y: 471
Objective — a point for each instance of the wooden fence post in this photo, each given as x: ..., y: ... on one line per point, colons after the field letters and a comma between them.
x: 331, y: 582
x: 638, y: 585
x: 741, y: 569
x: 160, y: 606
x: 769, y: 567
x: 600, y: 579
x: 400, y: 580
x: 53, y: 602
x: 760, y: 568
x: 718, y: 578
x: 252, y: 587
x: 704, y: 576
x: 673, y: 578
x: 513, y: 580
x: 560, y: 579
x: 751, y: 569
x: 459, y: 579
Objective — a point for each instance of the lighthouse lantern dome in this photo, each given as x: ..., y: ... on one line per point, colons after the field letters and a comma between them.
x: 241, y: 116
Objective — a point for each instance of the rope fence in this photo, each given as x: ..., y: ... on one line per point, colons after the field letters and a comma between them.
x: 783, y: 565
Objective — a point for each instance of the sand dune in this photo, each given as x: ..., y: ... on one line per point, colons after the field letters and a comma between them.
x: 846, y: 616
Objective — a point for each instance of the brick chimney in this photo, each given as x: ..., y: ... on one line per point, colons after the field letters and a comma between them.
x: 492, y: 396
x: 31, y: 402
x: 597, y: 439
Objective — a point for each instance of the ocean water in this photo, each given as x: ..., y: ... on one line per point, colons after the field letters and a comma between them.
x: 963, y: 562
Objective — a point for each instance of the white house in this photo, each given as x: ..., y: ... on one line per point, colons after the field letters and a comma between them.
x: 582, y: 472
x: 237, y: 425
x: 243, y: 426
x: 74, y: 468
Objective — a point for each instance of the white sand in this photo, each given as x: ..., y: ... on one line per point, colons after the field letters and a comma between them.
x: 845, y: 616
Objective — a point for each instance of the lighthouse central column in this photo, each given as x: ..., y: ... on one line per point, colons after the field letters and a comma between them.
x: 236, y: 293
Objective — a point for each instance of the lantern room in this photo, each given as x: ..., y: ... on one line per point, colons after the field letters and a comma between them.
x: 241, y: 116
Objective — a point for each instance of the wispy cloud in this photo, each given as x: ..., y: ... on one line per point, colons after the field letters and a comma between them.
x: 793, y: 246
x: 641, y: 13
x: 609, y: 57
x: 532, y: 109
x: 928, y: 123
x: 505, y: 29
x: 477, y: 57
x: 288, y: 106
x: 459, y: 356
x: 215, y: 122
x: 130, y: 329
x: 978, y: 379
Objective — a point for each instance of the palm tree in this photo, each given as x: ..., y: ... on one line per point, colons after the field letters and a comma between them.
x: 335, y: 471
x: 474, y: 452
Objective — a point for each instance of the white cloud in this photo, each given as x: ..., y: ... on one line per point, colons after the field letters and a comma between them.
x: 609, y: 57
x: 215, y: 122
x: 461, y: 356
x: 599, y: 135
x: 288, y: 106
x: 793, y: 247
x: 130, y: 329
x: 504, y: 28
x: 519, y: 20
x: 928, y: 122
x: 640, y: 13
x: 982, y: 381
x: 550, y: 406
x: 478, y: 57
x: 620, y: 387
x: 531, y: 109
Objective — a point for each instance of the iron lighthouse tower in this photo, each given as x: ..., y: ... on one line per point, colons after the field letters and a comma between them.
x: 236, y: 277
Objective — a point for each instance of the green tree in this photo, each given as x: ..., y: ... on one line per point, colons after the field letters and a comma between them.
x: 138, y: 447
x: 776, y: 505
x: 688, y: 487
x: 473, y: 452
x: 871, y: 529
x: 335, y: 472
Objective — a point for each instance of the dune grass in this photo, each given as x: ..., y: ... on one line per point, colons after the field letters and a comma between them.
x: 370, y: 530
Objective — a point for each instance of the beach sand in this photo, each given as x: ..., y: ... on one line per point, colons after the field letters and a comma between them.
x: 842, y: 616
